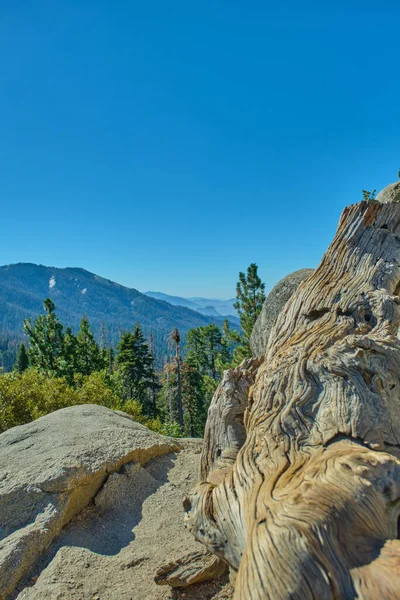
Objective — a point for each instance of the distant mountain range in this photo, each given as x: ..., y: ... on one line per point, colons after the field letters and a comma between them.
x: 206, y: 306
x: 76, y: 292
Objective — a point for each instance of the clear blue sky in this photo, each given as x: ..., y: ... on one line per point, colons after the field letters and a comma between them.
x: 166, y: 145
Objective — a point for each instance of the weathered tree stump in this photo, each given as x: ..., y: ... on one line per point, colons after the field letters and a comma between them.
x: 302, y: 498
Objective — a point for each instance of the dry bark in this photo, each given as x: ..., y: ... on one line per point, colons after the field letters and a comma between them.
x: 308, y: 507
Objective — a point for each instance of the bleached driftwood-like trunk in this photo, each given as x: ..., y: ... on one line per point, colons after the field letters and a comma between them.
x: 302, y: 497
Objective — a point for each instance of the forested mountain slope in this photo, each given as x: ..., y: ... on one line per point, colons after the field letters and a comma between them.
x: 108, y: 306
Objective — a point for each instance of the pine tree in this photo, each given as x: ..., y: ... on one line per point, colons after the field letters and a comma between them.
x: 70, y: 355
x: 155, y: 386
x: 22, y: 359
x: 8, y: 353
x: 193, y: 400
x: 175, y: 341
x: 250, y: 294
x: 46, y: 343
x: 109, y: 360
x: 195, y: 349
x: 208, y: 350
x: 208, y: 354
x: 89, y: 357
x: 103, y: 337
x: 135, y: 364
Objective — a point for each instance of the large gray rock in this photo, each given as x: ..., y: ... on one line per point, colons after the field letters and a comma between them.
x: 391, y: 193
x: 50, y: 470
x: 273, y: 305
x: 115, y: 546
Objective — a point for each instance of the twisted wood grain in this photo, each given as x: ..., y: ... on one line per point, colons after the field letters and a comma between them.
x: 306, y: 503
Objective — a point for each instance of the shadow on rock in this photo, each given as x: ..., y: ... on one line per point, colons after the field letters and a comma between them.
x: 106, y: 526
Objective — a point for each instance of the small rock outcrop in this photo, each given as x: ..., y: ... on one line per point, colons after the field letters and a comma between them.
x: 273, y: 305
x: 391, y: 193
x: 52, y: 468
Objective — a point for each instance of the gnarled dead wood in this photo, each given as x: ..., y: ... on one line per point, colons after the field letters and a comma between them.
x: 225, y: 433
x: 309, y: 506
x: 195, y: 567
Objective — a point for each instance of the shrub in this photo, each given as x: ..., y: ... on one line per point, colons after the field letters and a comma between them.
x: 29, y: 395
x: 96, y: 389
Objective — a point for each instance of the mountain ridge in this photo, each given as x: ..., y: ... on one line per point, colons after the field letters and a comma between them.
x: 76, y: 292
x: 206, y: 306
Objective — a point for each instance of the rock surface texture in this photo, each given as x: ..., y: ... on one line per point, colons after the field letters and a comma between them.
x: 113, y: 548
x: 91, y: 506
x: 391, y: 193
x: 309, y: 507
x: 273, y: 305
x: 52, y: 468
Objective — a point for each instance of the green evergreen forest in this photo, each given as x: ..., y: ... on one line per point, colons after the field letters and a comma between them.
x: 57, y: 368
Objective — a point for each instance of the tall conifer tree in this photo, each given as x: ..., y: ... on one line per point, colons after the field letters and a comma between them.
x: 22, y: 359
x: 89, y: 357
x: 70, y: 355
x: 193, y: 400
x: 250, y: 294
x: 135, y: 364
x: 207, y: 350
x: 175, y: 342
x: 46, y: 343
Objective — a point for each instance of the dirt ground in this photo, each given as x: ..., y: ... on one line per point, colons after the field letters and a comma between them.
x: 112, y: 550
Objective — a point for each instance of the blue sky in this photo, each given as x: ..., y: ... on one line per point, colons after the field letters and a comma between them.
x: 166, y: 145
